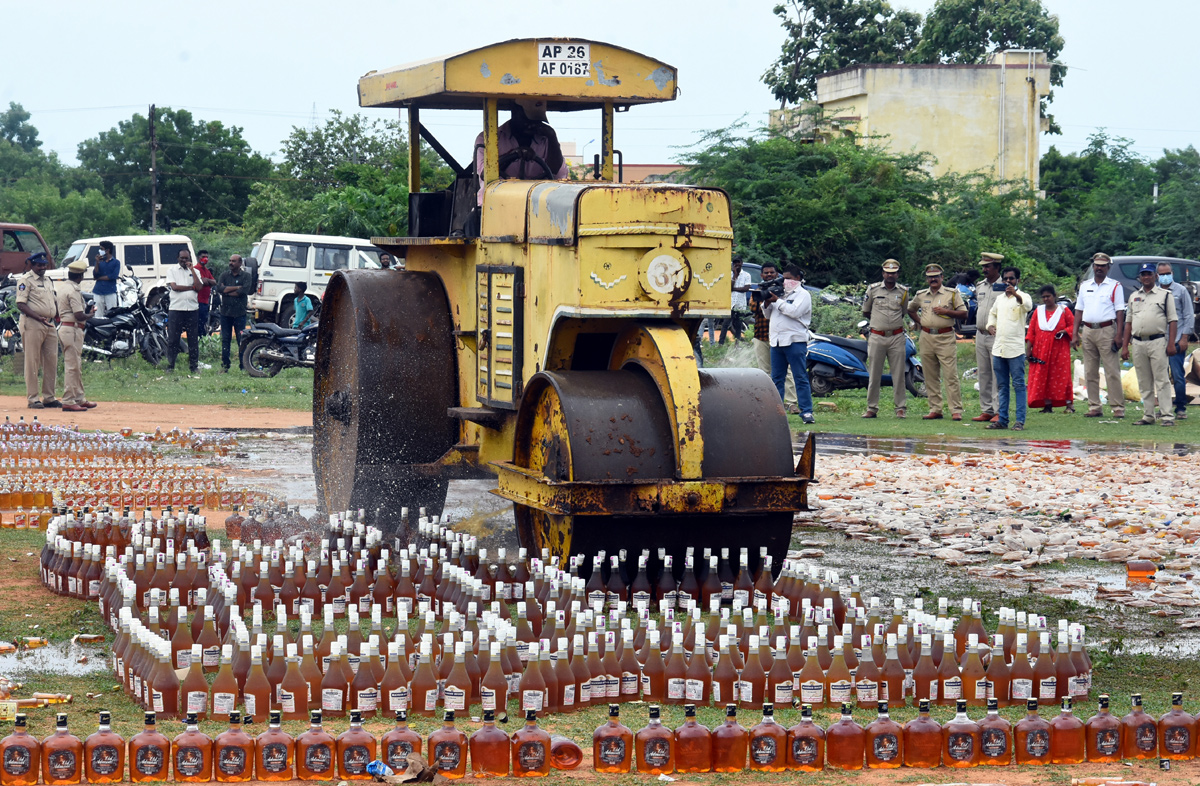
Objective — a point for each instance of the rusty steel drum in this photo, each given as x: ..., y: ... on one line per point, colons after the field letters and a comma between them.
x: 385, y: 376
x: 613, y: 425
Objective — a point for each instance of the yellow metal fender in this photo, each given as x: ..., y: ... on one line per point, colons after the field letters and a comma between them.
x: 665, y: 352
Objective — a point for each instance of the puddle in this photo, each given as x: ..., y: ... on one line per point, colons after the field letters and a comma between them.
x: 55, y: 659
x: 838, y: 443
x: 280, y: 463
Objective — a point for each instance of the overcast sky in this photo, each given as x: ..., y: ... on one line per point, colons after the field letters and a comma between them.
x: 267, y: 66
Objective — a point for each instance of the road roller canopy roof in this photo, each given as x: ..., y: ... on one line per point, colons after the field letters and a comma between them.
x: 569, y: 73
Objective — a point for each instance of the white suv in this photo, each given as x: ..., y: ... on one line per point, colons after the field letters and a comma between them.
x: 282, y: 259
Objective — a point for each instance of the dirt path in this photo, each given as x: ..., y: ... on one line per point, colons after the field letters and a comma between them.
x: 113, y: 415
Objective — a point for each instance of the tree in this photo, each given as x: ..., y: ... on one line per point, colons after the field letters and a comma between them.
x: 15, y: 128
x: 206, y: 169
x: 825, y: 35
x: 969, y: 31
x: 312, y: 157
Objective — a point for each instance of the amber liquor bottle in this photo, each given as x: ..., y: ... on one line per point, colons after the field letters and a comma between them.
x: 1068, y: 737
x: 1031, y: 739
x: 885, y: 741
x: 1176, y: 738
x: 275, y: 751
x: 530, y: 749
x: 655, y: 746
x: 1103, y: 732
x: 489, y: 749
x: 730, y: 743
x: 922, y: 739
x: 356, y: 748
x: 104, y: 753
x: 960, y: 737
x: 693, y: 744
x: 233, y: 752
x: 20, y: 755
x: 995, y: 733
x: 845, y: 742
x: 806, y: 744
x: 448, y: 749
x: 768, y: 743
x: 149, y: 751
x: 192, y: 754
x: 62, y: 755
x: 315, y: 751
x: 612, y: 744
x: 1140, y: 737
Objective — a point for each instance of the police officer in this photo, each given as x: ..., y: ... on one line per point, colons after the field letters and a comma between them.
x: 885, y: 305
x: 934, y: 309
x: 1151, y: 322
x: 74, y: 318
x: 986, y: 292
x: 39, y: 312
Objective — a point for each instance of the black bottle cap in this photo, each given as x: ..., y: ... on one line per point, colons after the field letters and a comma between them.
x: 805, y: 710
x: 960, y: 705
x: 614, y: 710
x: 1177, y: 699
x: 847, y: 709
x: 61, y: 720
x: 276, y: 716
x: 689, y: 710
x: 531, y: 716
x: 654, y: 711
x: 151, y: 718
x: 1031, y: 705
x: 489, y: 716
x: 314, y: 717
x: 449, y: 717
x: 105, y: 717
x: 731, y: 710
x: 19, y: 721
x: 1136, y: 698
x: 1103, y: 701
x: 401, y: 716
x: 923, y: 705
x: 190, y: 719
x: 768, y: 709
x: 235, y: 718
x: 881, y: 707
x: 356, y: 716
x: 993, y: 704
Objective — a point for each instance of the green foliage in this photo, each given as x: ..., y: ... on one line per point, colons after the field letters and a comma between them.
x: 16, y: 128
x: 62, y: 217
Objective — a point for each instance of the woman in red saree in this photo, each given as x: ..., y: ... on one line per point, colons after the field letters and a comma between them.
x: 1048, y: 345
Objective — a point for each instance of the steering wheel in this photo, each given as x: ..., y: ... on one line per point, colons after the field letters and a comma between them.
x: 524, y: 154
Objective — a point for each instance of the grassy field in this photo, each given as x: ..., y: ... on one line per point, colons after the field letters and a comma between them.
x: 133, y: 379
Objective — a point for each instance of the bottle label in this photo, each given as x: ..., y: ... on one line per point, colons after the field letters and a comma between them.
x: 532, y: 700
x: 368, y: 700
x: 745, y: 690
x: 983, y: 689
x: 629, y: 683
x: 339, y: 606
x: 1079, y: 686
x: 518, y: 590
x: 514, y: 683
x: 840, y: 691
x: 783, y: 694
x: 287, y: 700
x: 763, y: 750
x: 364, y: 604
x: 804, y: 750
x: 398, y: 698
x: 331, y: 699
x: 211, y: 657
x: 642, y: 598
x: 156, y: 700
x: 523, y: 650
x: 252, y: 704
x: 716, y: 690
x: 867, y: 691
x: 447, y: 755
x: 676, y: 688
x: 742, y: 597
x: 397, y: 755
x: 670, y: 600
x: 183, y: 658
x: 231, y: 760
x: 150, y: 760
x: 189, y: 761
x: 94, y: 590
x: 121, y: 667
x: 1047, y: 688
x: 952, y: 689
x: 612, y: 751
x: 106, y: 759
x: 455, y: 697
x: 995, y: 744
x: 307, y: 603
x: 568, y: 696
x: 532, y: 755
x: 693, y: 690
x: 318, y: 759
x: 354, y: 661
x: 197, y: 701
x: 1108, y: 742
x: 886, y: 747
x: 1177, y: 739
x: 646, y: 685
x: 487, y: 698
x: 657, y: 752
x: 812, y: 692
x: 1022, y: 689
x: 275, y: 757
x: 910, y: 685
x: 431, y: 700
x: 1145, y: 736
x: 585, y: 692
x: 612, y: 686
x: 355, y: 759
x: 407, y: 605
x: 960, y: 747
x: 726, y: 591
x: 224, y: 703
x: 1037, y: 744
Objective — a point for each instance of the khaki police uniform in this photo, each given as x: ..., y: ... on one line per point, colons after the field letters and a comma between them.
x: 885, y: 309
x: 985, y: 296
x: 938, y: 346
x: 70, y: 335
x: 40, y: 341
x: 1149, y: 315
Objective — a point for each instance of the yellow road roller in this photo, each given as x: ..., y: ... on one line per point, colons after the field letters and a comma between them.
x: 542, y: 331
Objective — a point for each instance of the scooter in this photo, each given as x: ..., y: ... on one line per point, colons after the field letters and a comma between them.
x: 267, y: 348
x: 836, y: 363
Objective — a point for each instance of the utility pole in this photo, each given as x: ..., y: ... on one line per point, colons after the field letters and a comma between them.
x: 153, y: 175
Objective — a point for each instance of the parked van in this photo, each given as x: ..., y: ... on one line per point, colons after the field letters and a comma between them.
x: 148, y: 257
x: 17, y: 242
x: 283, y: 259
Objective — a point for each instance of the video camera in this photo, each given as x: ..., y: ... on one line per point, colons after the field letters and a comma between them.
x: 765, y: 288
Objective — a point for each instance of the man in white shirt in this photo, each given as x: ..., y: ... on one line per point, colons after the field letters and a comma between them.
x: 185, y: 285
x: 1006, y: 326
x: 790, y: 317
x: 739, y: 312
x: 1099, y: 324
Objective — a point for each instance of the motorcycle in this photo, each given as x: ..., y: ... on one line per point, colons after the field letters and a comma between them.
x: 127, y: 329
x: 267, y: 348
x: 835, y: 363
x: 10, y: 335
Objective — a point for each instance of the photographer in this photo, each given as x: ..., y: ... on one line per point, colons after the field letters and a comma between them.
x: 790, y: 314
x: 762, y: 333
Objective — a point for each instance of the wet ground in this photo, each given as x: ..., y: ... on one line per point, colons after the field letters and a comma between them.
x: 860, y: 444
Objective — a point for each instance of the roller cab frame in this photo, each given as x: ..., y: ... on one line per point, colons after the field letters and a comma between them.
x: 544, y: 333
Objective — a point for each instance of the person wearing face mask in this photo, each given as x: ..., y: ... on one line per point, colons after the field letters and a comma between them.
x: 934, y: 310
x: 1187, y: 325
x: 790, y: 317
x: 1150, y: 325
x: 108, y: 270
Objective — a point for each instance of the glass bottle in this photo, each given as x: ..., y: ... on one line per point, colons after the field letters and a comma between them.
x: 233, y: 752
x: 730, y: 743
x: 393, y: 690
x: 839, y: 682
x: 885, y: 741
x: 447, y: 749
x: 960, y: 735
x: 925, y: 674
x: 806, y: 744
x: 275, y: 751
x: 922, y: 739
x: 20, y: 755
x: 401, y: 741
x: 1031, y: 738
x: 612, y: 744
x: 530, y: 749
x: 995, y: 733
x: 845, y: 742
x: 424, y: 688
x: 104, y: 753
x: 768, y: 743
x: 149, y: 751
x: 334, y: 686
x: 812, y: 678
x: 1022, y: 673
x: 1140, y: 737
x: 949, y: 676
x: 192, y: 754
x: 1068, y: 737
x: 974, y: 679
x: 866, y: 678
x: 533, y: 685
x: 1045, y: 679
x: 1103, y: 732
x: 256, y: 695
x: 62, y: 755
x: 489, y: 749
x: 222, y: 696
x: 892, y: 679
x: 315, y: 751
x: 1176, y: 740
x: 693, y: 744
x: 999, y: 675
x: 655, y: 746
x: 565, y: 754
x: 356, y: 748
x: 193, y: 691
